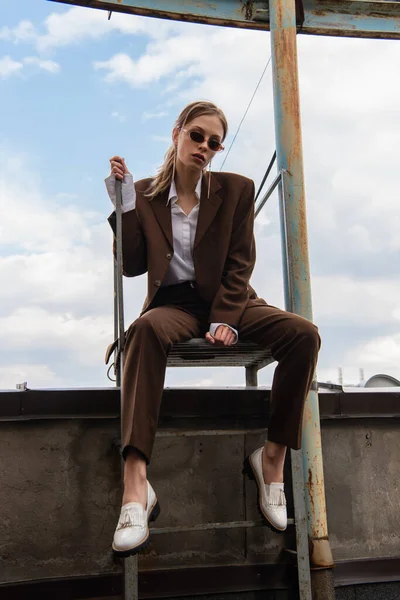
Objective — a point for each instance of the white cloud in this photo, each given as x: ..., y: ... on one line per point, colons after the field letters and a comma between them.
x: 154, y: 115
x: 36, y: 375
x: 184, y: 55
x: 34, y: 225
x: 80, y: 24
x: 23, y: 32
x: 60, y: 279
x: 46, y: 65
x: 66, y: 196
x: 142, y: 72
x: 57, y: 256
x: 71, y: 27
x: 9, y: 67
x: 161, y: 138
x: 339, y: 65
x: 357, y: 301
x: 56, y: 296
x: 118, y: 116
x: 84, y: 340
x: 381, y: 353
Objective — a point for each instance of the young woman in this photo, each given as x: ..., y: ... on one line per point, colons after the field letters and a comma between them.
x: 191, y: 230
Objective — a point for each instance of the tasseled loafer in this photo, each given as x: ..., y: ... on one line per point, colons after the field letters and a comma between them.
x: 132, y: 532
x: 271, y: 497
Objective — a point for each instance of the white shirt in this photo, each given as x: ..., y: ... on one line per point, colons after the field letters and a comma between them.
x: 181, y: 266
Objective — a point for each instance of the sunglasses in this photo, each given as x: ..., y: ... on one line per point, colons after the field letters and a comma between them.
x: 199, y: 138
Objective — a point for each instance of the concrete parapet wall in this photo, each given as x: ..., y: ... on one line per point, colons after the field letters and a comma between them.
x: 60, y: 497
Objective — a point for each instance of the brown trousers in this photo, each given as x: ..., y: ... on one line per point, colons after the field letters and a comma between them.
x: 178, y: 313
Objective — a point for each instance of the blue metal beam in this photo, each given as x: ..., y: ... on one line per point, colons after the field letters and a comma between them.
x: 343, y: 18
x: 233, y: 13
x: 352, y: 18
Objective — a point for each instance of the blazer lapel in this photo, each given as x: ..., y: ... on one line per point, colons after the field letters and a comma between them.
x: 162, y: 210
x: 208, y: 206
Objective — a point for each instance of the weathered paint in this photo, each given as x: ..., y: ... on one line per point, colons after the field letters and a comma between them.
x: 352, y: 18
x: 300, y: 512
x: 295, y: 250
x: 230, y: 13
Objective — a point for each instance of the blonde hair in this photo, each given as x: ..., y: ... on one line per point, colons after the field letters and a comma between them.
x: 165, y: 174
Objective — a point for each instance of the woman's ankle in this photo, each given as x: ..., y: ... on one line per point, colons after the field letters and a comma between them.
x: 273, y: 462
x: 135, y: 490
x: 135, y: 464
x: 274, y: 453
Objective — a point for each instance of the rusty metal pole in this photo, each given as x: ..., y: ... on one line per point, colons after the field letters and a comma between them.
x: 296, y: 268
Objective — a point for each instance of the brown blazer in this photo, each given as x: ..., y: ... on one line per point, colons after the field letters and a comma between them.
x: 224, y: 247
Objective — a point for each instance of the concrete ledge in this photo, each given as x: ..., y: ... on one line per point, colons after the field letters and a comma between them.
x: 60, y: 487
x: 180, y: 402
x: 214, y: 580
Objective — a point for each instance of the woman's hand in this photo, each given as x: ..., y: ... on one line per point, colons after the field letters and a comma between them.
x: 223, y: 335
x: 118, y: 167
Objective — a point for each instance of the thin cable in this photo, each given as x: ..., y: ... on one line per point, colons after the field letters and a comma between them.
x: 247, y: 110
x: 267, y: 172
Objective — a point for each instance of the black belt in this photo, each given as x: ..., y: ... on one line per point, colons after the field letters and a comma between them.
x: 191, y: 284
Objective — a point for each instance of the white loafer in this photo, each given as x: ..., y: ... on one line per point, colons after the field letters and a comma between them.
x: 132, y: 532
x: 271, y: 497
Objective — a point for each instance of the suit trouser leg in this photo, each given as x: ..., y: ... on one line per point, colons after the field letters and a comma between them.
x: 148, y: 342
x: 294, y: 343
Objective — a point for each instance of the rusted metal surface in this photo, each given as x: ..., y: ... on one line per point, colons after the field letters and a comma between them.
x: 320, y: 551
x: 295, y: 252
x: 353, y: 18
x: 300, y: 512
x: 229, y: 13
x: 349, y: 18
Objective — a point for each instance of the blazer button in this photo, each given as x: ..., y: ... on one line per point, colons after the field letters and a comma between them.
x: 157, y: 282
x: 169, y: 256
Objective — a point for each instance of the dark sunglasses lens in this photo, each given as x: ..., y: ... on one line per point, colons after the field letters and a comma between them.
x: 196, y: 136
x: 199, y: 138
x: 214, y: 145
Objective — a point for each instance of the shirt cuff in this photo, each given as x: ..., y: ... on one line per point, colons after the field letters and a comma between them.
x: 214, y: 327
x: 128, y: 191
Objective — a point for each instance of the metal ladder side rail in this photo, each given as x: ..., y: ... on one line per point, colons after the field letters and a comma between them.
x: 130, y: 564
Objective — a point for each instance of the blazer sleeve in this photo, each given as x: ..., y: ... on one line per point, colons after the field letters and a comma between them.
x: 232, y: 296
x: 134, y: 249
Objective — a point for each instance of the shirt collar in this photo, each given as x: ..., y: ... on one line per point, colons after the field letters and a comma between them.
x: 173, y: 196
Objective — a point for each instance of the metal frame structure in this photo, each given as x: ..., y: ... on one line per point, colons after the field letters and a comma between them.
x: 350, y: 18
x: 284, y: 18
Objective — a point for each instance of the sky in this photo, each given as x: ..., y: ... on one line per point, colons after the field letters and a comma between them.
x: 75, y: 89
